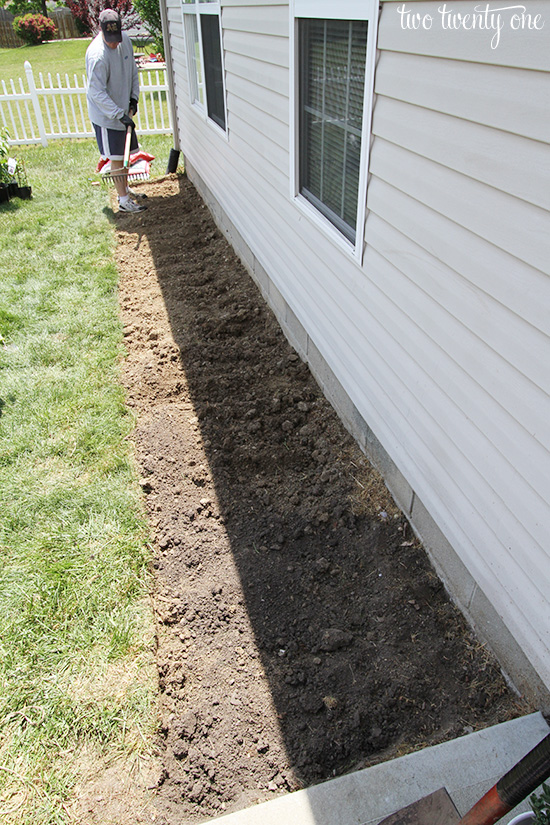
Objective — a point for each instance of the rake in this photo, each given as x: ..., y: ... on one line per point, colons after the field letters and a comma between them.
x: 138, y: 169
x: 438, y: 809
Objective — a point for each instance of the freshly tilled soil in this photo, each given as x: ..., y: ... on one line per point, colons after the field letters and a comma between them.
x: 302, y: 632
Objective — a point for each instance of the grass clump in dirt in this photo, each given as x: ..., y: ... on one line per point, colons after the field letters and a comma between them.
x: 76, y: 668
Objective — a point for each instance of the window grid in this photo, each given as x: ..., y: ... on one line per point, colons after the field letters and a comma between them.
x: 357, y: 142
x: 331, y: 88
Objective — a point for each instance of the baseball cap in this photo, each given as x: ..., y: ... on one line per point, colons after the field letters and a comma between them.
x: 111, y: 26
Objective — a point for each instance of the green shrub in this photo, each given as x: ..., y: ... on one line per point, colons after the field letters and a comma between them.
x: 34, y: 28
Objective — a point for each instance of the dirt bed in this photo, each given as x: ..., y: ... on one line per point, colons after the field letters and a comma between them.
x: 301, y: 631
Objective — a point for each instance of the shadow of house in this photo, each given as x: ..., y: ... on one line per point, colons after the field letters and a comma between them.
x: 383, y: 186
x: 269, y: 532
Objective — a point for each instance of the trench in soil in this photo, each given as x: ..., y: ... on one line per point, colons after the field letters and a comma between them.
x: 302, y: 632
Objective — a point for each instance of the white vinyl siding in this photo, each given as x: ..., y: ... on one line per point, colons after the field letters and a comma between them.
x: 458, y: 251
x: 176, y: 44
x: 513, y: 100
x: 438, y: 330
x: 520, y: 48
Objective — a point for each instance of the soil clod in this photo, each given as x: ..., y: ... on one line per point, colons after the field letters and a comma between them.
x: 299, y: 635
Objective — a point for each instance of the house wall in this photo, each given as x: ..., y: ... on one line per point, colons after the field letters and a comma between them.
x: 435, y: 349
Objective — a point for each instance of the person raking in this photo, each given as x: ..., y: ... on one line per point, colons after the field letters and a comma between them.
x: 112, y: 96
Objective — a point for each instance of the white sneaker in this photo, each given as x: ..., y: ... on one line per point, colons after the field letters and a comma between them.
x: 131, y: 206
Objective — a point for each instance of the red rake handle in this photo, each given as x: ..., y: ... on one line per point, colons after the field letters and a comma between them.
x: 127, y: 147
x: 512, y: 789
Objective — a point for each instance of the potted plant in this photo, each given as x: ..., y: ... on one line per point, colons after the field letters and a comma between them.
x: 24, y: 191
x: 540, y: 815
x: 13, y: 176
x: 12, y: 182
x: 4, y: 174
x: 540, y: 804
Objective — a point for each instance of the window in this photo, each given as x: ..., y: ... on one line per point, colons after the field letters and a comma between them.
x: 201, y: 22
x: 332, y: 83
x: 333, y: 72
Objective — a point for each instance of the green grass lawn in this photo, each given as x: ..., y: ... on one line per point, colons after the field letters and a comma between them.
x: 63, y: 56
x: 76, y: 633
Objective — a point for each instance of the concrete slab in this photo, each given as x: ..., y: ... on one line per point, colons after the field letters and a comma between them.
x: 466, y: 767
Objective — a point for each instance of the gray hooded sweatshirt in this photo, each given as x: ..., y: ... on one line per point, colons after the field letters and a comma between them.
x: 112, y: 80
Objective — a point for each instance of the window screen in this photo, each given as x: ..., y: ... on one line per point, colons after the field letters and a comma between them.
x: 331, y: 90
x: 213, y: 72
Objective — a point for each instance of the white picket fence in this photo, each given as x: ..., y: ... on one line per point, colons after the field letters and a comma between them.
x: 52, y: 108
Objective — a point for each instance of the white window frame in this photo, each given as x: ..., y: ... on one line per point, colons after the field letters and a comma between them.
x: 334, y: 10
x: 198, y: 8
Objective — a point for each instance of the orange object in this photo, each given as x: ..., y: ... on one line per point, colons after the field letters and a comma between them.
x: 487, y: 811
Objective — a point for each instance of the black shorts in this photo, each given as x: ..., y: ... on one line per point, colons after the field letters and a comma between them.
x: 110, y: 142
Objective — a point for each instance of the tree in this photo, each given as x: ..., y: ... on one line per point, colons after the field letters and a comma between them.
x: 86, y: 13
x: 21, y: 7
x: 149, y: 12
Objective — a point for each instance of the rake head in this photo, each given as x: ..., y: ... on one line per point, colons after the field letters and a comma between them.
x: 111, y: 177
x: 138, y: 169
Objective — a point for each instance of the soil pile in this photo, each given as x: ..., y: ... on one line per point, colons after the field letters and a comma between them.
x: 301, y: 630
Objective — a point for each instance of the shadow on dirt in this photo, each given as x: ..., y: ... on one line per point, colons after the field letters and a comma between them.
x: 335, y: 644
